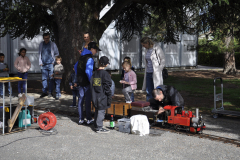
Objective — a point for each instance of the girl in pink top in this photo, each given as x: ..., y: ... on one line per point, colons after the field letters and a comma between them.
x: 22, y: 64
x: 129, y: 82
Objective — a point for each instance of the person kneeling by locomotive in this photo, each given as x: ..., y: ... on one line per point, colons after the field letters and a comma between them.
x: 165, y: 95
x: 170, y: 105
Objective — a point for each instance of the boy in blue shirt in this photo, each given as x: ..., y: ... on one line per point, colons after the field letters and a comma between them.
x: 84, y: 69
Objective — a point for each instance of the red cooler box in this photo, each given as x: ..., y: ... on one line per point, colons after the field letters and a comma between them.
x: 142, y: 107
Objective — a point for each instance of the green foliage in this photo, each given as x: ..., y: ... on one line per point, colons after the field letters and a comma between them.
x: 211, y: 53
x: 203, y: 88
x: 197, y: 87
x: 19, y: 18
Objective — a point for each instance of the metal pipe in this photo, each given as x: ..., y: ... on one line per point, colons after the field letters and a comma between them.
x: 197, y: 113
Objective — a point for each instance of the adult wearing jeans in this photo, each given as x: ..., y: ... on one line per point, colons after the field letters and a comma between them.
x: 83, y: 72
x: 22, y: 64
x: 47, y: 52
x: 154, y: 64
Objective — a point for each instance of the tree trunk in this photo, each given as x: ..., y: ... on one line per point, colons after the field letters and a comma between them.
x: 70, y: 31
x: 229, y: 57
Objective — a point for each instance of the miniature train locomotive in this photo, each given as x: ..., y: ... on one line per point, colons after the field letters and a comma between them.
x: 182, y: 120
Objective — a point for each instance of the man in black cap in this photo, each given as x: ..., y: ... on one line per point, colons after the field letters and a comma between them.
x: 83, y: 72
x: 101, y: 93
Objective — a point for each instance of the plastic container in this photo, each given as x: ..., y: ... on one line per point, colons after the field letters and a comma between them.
x: 21, y: 119
x: 124, y: 125
x: 29, y: 100
x: 35, y: 119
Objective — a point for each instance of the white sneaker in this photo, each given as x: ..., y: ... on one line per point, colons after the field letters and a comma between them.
x: 128, y: 101
x: 19, y: 95
x: 81, y: 122
x: 90, y: 122
x: 72, y: 106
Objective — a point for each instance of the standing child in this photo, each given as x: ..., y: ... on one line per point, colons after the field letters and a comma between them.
x: 129, y: 82
x: 128, y: 59
x: 22, y: 64
x: 58, y: 72
x: 113, y: 84
x: 3, y: 73
x: 74, y: 89
x: 101, y: 94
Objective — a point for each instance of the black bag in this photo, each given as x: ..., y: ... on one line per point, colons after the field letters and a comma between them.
x: 164, y: 71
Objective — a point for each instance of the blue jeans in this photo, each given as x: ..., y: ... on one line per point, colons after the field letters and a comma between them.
x: 58, y: 92
x: 22, y: 84
x: 149, y: 85
x: 132, y: 96
x: 47, y: 71
x: 75, y: 94
x: 84, y: 93
x: 1, y: 88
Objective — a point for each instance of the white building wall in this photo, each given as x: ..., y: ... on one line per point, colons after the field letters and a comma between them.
x: 189, y: 53
x: 172, y: 54
x: 110, y: 46
x: 131, y: 49
x: 3, y: 48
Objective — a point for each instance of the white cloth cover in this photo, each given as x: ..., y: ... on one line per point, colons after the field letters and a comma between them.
x: 29, y: 100
x: 139, y: 125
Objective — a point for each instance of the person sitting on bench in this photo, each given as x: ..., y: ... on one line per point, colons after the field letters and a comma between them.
x: 165, y: 95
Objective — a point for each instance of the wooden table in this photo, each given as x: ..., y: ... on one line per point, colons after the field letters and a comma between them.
x: 10, y: 80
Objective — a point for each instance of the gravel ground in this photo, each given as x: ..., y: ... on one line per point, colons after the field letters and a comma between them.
x: 81, y: 142
x: 228, y: 127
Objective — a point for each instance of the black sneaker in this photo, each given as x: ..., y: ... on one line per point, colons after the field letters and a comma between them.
x: 50, y: 95
x: 57, y: 98
x: 102, y: 131
x: 43, y: 95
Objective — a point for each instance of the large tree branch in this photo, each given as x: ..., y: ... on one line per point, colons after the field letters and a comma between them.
x: 102, y: 3
x: 116, y: 9
x: 112, y: 13
x: 45, y: 3
x: 149, y: 2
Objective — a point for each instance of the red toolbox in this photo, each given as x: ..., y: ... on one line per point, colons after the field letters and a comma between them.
x: 143, y: 107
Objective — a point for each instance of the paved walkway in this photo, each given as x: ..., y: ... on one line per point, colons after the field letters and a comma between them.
x: 72, y: 141
x: 222, y: 126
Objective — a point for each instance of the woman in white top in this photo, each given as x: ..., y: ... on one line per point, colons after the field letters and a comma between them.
x: 154, y: 64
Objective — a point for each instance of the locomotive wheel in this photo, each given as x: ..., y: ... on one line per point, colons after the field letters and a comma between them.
x: 177, y: 127
x: 215, y: 115
x: 220, y: 115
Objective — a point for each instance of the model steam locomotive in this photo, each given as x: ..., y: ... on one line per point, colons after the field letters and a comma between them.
x: 182, y: 120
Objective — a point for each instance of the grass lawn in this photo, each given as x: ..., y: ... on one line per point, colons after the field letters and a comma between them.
x: 200, y: 89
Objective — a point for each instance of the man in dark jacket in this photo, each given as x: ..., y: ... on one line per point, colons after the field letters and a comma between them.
x: 101, y: 94
x: 84, y: 70
x: 166, y: 95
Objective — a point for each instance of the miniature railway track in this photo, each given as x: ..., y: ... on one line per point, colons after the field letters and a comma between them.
x: 203, y: 135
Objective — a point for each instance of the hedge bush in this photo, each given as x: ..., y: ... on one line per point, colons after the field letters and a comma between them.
x: 211, y: 53
x: 214, y: 59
